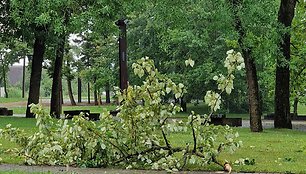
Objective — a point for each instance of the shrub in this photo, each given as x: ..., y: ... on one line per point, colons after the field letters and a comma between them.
x: 138, y: 135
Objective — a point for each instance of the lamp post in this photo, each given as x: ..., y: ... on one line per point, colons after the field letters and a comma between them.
x: 23, y: 73
x: 122, y: 54
x: 23, y: 76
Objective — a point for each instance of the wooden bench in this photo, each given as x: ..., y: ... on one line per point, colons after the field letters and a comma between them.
x: 5, y: 111
x: 92, y: 116
x: 114, y: 112
x: 220, y: 119
x: 299, y: 117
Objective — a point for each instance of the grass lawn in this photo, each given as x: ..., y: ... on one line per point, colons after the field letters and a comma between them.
x: 274, y: 150
x: 20, y: 172
x: 9, y: 100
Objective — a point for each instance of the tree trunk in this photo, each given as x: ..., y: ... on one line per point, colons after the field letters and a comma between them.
x: 61, y: 95
x: 99, y: 98
x: 95, y: 93
x: 251, y: 74
x: 36, y: 68
x: 107, y: 93
x: 282, y: 117
x: 4, y: 78
x: 88, y: 92
x: 295, y: 107
x: 70, y: 92
x: 56, y: 103
x: 79, y: 90
x: 96, y: 97
x: 253, y: 93
x: 183, y: 104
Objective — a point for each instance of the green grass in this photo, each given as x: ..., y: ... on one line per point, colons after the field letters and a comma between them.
x: 301, y: 109
x: 274, y: 150
x: 9, y: 100
x: 21, y: 172
x: 27, y: 124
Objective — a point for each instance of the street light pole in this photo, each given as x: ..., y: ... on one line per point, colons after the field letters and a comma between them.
x: 122, y: 54
x: 23, y: 77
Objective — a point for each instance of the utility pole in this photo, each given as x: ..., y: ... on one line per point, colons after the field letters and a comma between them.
x: 122, y: 54
x: 23, y: 76
x: 79, y: 90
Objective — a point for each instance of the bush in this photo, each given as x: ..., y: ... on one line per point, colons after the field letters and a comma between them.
x: 137, y: 136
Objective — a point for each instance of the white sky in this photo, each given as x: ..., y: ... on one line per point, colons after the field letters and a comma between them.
x: 71, y: 38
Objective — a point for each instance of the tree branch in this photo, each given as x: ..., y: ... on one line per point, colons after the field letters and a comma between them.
x: 193, y: 135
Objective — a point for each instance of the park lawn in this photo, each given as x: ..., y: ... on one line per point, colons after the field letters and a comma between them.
x: 27, y: 124
x: 21, y: 172
x: 9, y: 100
x: 274, y: 150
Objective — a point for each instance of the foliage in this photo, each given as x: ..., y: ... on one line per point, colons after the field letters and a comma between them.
x: 266, y: 148
x: 297, y: 66
x: 138, y: 136
x: 99, y: 55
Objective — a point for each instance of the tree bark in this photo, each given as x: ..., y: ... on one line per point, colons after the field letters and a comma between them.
x: 253, y: 93
x: 4, y: 78
x: 96, y: 97
x: 282, y: 117
x: 88, y: 92
x: 251, y: 73
x: 61, y: 95
x: 99, y: 98
x: 183, y: 104
x: 70, y: 92
x: 295, y: 107
x: 79, y: 90
x: 36, y: 68
x: 95, y: 93
x: 107, y: 93
x: 56, y: 103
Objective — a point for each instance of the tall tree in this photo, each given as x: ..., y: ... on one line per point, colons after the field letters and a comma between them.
x: 56, y: 102
x: 32, y: 19
x: 298, y: 57
x: 103, y: 59
x: 251, y: 72
x: 36, y: 68
x: 69, y: 74
x: 282, y: 117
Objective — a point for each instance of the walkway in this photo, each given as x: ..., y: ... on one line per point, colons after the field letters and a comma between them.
x: 73, y: 170
x: 296, y: 125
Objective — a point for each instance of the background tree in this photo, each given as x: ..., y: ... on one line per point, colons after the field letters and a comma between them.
x: 251, y: 72
x: 69, y: 73
x: 33, y: 20
x: 298, y: 56
x: 102, y: 55
x: 282, y: 118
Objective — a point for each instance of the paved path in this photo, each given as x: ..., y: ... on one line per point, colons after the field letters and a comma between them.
x: 296, y: 125
x: 73, y: 170
x: 57, y: 169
